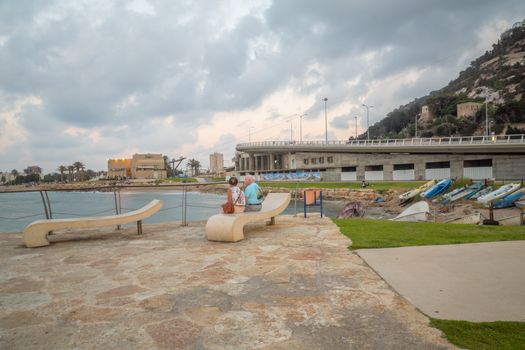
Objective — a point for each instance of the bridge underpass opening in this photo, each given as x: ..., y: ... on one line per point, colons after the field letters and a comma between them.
x: 374, y: 173
x: 349, y: 173
x: 478, y: 169
x: 437, y: 170
x: 404, y: 172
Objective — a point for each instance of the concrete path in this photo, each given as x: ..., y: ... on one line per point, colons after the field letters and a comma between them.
x: 294, y: 285
x: 473, y: 282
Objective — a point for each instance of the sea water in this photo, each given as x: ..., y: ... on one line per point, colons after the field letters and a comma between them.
x: 17, y: 210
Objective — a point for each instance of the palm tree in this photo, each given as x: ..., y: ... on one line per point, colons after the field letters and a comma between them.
x: 62, y: 169
x: 14, y: 172
x: 70, y: 169
x: 194, y: 166
x: 78, y: 167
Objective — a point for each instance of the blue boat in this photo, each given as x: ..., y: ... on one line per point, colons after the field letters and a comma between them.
x: 438, y: 188
x: 475, y: 188
x: 508, y: 201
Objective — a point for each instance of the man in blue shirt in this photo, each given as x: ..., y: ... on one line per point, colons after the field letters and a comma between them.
x: 253, y: 194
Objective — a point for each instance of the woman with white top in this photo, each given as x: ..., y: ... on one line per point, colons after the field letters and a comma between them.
x: 236, y: 195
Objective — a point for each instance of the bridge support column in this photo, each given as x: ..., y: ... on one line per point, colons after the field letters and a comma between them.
x: 388, y: 172
x: 419, y: 170
x: 456, y: 168
x: 360, y: 172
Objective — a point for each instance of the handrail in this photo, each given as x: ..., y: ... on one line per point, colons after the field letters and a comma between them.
x: 451, y: 140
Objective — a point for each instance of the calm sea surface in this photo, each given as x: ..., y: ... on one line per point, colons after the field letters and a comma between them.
x: 17, y: 210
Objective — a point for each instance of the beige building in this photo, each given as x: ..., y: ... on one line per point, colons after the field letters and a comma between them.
x: 140, y: 166
x: 216, y: 163
x: 119, y: 168
x: 426, y: 114
x: 148, y: 166
x: 468, y: 109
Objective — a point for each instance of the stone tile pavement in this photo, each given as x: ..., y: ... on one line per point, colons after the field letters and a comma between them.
x: 290, y: 286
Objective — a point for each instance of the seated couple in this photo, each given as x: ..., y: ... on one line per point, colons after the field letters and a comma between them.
x: 249, y: 200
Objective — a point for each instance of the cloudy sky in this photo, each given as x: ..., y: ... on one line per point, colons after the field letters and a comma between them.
x: 91, y: 80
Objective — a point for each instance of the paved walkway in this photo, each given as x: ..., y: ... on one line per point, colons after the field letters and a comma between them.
x: 291, y: 286
x: 474, y: 282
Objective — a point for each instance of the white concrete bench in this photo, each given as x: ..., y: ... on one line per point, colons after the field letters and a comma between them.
x: 229, y: 227
x: 35, y: 234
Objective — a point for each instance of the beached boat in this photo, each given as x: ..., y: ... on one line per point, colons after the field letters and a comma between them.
x: 472, y: 219
x: 416, y: 212
x: 508, y: 201
x: 475, y: 187
x: 405, y: 197
x: 447, y: 196
x: 437, y: 189
x: 501, y: 192
x: 480, y: 193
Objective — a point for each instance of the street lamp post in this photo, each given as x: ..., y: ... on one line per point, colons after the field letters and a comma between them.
x: 356, y: 127
x: 325, y: 121
x: 250, y: 134
x: 301, y: 126
x: 415, y: 126
x: 486, y: 116
x: 291, y: 131
x: 367, y: 121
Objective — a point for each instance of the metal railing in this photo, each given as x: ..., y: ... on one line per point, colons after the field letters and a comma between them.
x: 423, y: 141
x: 48, y: 211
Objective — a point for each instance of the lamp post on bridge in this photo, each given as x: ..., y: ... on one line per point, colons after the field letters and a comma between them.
x: 367, y: 121
x: 301, y: 126
x: 356, y: 127
x: 325, y: 122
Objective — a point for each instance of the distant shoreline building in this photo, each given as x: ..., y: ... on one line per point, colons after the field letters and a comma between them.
x: 468, y: 109
x: 140, y: 166
x: 426, y: 114
x: 216, y: 163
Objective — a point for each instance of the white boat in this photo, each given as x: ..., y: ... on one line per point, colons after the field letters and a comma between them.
x: 482, y: 192
x: 412, y: 193
x: 416, y: 212
x: 447, y: 196
x: 501, y: 192
x: 472, y: 219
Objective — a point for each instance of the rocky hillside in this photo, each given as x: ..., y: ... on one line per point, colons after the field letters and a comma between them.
x: 498, y: 75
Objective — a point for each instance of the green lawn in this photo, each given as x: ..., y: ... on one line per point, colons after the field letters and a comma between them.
x: 379, y: 186
x: 384, y: 234
x: 483, y: 335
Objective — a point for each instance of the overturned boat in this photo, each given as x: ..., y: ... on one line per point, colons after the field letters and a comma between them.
x: 416, y: 212
x: 407, y: 196
x: 464, y: 193
x: 437, y: 189
x: 501, y: 192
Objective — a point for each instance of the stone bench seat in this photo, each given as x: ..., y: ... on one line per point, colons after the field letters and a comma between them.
x: 229, y: 227
x: 35, y: 234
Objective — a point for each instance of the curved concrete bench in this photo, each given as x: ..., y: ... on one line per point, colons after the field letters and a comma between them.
x: 229, y: 227
x: 35, y: 234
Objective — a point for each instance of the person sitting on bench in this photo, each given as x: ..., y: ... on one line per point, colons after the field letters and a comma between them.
x: 253, y: 194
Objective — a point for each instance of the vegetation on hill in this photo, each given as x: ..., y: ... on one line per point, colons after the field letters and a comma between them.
x: 498, y: 74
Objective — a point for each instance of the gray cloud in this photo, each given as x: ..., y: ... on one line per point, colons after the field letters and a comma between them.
x: 104, y: 68
x: 341, y: 122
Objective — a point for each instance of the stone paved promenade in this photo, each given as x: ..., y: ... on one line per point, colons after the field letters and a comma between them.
x: 291, y: 286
